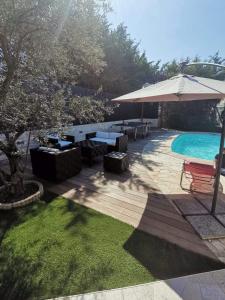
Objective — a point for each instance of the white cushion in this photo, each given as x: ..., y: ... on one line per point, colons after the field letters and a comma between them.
x: 111, y: 142
x: 102, y: 134
x: 114, y: 135
x: 48, y: 149
x: 44, y: 148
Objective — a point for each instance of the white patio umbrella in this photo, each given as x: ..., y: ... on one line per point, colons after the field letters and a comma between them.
x: 178, y: 88
x: 183, y: 88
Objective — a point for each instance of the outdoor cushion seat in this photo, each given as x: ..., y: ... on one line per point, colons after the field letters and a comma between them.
x: 114, y: 135
x: 106, y: 137
x: 111, y: 142
x: 102, y: 134
x: 64, y: 144
x: 48, y: 149
x: 116, y: 141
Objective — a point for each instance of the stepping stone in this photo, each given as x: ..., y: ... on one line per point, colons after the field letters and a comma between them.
x: 221, y: 218
x: 207, y: 226
x: 207, y: 202
x: 190, y: 207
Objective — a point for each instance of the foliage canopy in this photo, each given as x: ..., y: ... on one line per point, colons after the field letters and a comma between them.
x: 45, y: 44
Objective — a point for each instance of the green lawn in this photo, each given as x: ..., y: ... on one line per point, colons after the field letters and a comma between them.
x: 56, y: 248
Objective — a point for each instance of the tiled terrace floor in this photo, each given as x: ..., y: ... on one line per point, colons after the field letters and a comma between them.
x: 204, y: 286
x: 143, y: 197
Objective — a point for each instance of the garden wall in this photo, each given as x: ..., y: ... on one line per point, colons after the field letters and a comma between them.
x: 79, y: 131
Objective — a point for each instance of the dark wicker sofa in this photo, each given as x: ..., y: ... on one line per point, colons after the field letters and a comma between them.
x: 115, y: 141
x: 55, y: 166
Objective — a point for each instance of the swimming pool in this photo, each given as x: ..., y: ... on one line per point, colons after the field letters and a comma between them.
x: 199, y: 145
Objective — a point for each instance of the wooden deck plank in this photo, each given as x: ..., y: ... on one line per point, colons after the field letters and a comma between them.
x: 140, y: 207
x: 124, y: 209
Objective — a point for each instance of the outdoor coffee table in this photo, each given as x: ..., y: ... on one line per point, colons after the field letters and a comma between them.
x: 116, y: 162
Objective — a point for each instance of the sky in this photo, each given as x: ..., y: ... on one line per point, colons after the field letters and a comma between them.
x: 168, y: 29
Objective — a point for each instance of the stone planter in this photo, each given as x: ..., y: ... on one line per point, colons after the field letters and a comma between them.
x: 35, y: 197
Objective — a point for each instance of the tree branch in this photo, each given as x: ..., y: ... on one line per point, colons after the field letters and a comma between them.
x: 3, y: 147
x: 27, y: 12
x: 3, y: 176
x: 10, y: 65
x: 5, y: 49
x: 17, y: 135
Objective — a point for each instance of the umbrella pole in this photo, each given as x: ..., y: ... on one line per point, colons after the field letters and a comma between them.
x: 218, y: 169
x: 142, y: 111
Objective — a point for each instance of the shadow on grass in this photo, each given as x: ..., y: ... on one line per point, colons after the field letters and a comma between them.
x: 9, y: 218
x: 38, y: 275
x: 93, y: 277
x: 179, y: 253
x: 81, y: 214
x: 16, y: 278
x: 19, y: 278
x: 48, y: 196
x: 165, y: 260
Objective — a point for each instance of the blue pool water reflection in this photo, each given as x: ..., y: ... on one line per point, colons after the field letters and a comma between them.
x: 199, y: 145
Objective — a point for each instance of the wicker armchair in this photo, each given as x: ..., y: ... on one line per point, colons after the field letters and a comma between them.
x: 90, y: 150
x: 55, y: 166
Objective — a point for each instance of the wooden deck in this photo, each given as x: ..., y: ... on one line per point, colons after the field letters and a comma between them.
x: 141, y: 197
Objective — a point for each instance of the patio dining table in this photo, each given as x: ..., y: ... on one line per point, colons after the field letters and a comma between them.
x: 134, y: 128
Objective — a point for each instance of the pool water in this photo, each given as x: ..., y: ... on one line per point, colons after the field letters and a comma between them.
x: 199, y: 145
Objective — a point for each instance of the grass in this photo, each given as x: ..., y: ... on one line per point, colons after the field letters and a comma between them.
x: 56, y: 248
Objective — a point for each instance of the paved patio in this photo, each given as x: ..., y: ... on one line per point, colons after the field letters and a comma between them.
x: 204, y: 286
x: 168, y: 165
x: 190, y: 204
x: 145, y: 196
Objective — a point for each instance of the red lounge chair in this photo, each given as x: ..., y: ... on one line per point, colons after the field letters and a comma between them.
x: 197, y: 172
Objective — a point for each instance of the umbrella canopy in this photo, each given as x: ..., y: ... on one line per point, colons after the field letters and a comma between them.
x: 178, y: 88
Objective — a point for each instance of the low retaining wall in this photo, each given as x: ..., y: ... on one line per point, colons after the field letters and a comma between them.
x: 35, y: 197
x: 79, y: 131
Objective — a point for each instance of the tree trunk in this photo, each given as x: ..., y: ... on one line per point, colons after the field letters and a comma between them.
x: 16, y: 176
x: 14, y: 183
